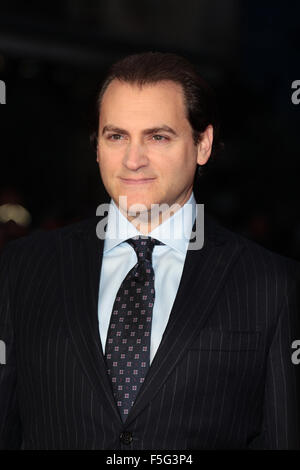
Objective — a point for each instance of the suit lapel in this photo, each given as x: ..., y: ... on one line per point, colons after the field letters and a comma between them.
x: 80, y: 260
x: 204, y: 274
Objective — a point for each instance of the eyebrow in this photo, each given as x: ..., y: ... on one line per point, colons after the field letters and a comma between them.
x: 153, y: 130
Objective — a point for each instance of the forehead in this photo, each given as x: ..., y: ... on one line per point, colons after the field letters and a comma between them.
x: 131, y: 103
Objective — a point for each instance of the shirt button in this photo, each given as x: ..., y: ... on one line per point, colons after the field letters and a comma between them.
x: 126, y: 437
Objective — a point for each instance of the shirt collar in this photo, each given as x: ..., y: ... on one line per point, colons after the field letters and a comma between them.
x: 174, y: 232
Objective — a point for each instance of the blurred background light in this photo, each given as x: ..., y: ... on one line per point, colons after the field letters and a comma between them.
x: 16, y: 213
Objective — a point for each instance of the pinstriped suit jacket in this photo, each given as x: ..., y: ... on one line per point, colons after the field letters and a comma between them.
x: 222, y: 377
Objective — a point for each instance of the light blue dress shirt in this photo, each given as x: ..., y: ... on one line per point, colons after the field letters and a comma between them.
x: 168, y: 261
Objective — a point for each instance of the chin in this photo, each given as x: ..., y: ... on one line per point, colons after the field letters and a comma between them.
x: 136, y: 199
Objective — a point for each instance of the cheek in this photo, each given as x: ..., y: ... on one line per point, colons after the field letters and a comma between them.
x: 108, y: 162
x: 178, y: 165
x: 188, y: 162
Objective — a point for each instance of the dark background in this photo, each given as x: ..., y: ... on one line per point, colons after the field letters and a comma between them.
x: 53, y: 56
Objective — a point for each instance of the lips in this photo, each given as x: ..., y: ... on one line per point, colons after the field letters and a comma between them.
x: 137, y: 180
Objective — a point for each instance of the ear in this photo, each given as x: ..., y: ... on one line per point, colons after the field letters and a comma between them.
x: 98, y: 151
x: 205, y: 145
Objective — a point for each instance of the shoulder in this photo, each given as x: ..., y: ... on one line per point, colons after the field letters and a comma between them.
x: 41, y: 245
x: 256, y: 260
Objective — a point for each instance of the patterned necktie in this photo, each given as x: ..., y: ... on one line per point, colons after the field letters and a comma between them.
x: 127, y: 350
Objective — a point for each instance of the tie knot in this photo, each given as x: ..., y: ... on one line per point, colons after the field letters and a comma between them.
x: 143, y: 247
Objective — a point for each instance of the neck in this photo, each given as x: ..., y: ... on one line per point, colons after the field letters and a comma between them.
x: 146, y: 221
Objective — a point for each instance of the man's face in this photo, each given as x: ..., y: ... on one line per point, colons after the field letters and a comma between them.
x: 145, y: 147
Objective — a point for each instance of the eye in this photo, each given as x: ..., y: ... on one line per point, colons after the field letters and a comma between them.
x: 114, y: 137
x: 159, y: 138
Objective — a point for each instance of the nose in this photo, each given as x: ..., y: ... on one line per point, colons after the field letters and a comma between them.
x: 135, y: 156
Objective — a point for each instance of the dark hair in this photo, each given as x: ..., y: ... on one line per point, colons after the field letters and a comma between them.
x: 152, y: 67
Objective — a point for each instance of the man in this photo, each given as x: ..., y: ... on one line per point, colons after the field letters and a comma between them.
x: 133, y: 337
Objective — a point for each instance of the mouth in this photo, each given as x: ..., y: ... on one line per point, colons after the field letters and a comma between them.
x: 137, y: 181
